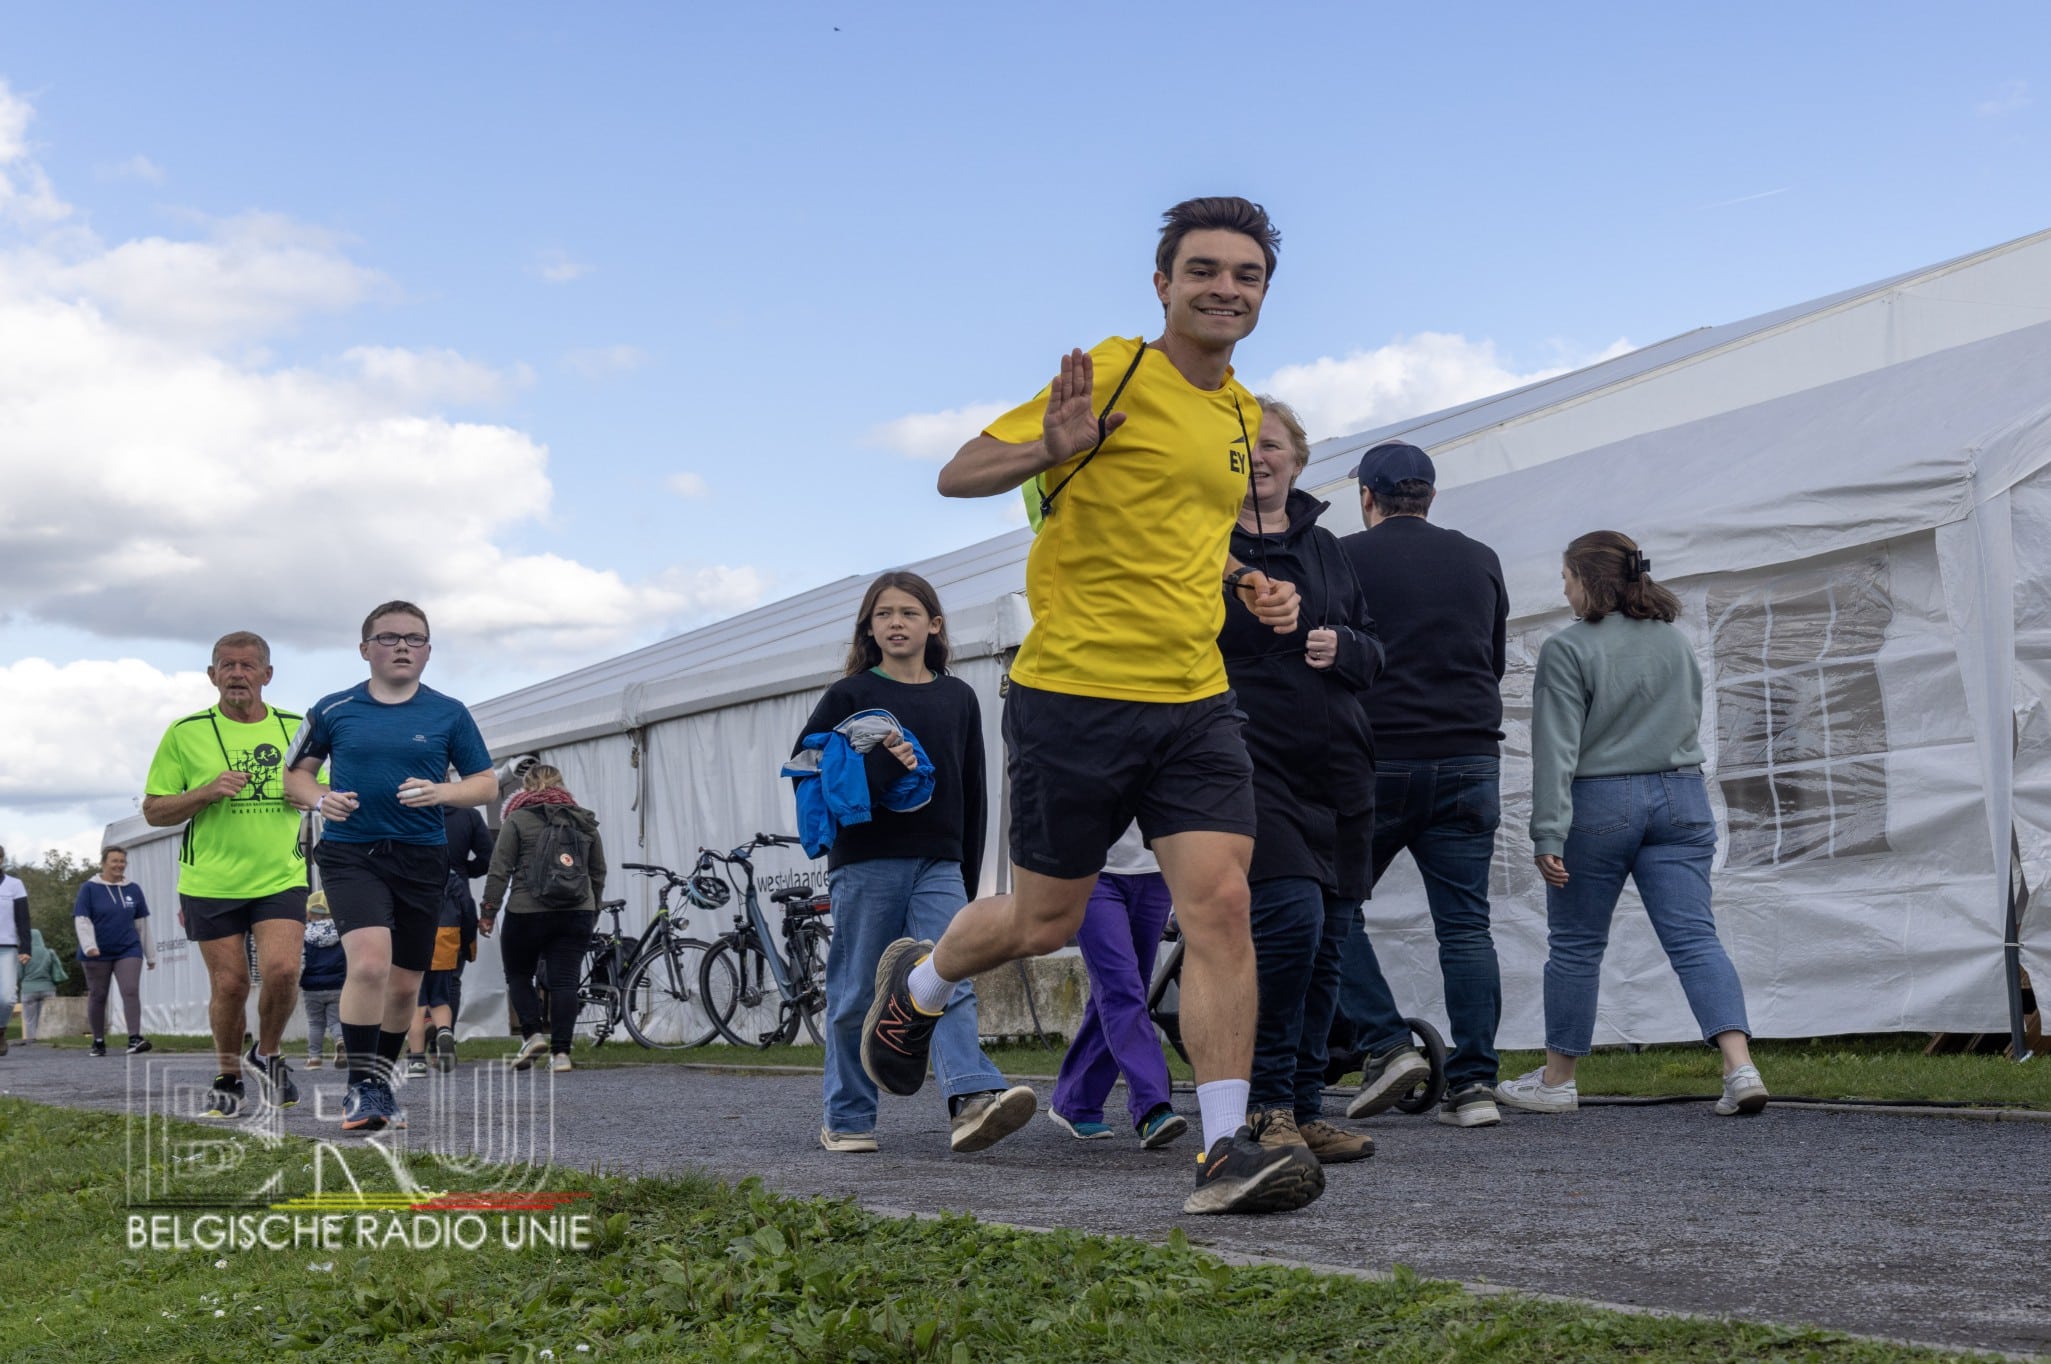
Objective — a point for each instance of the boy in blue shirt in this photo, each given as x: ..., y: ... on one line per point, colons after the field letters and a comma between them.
x: 388, y: 743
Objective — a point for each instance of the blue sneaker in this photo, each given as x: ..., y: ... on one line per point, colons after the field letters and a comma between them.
x: 363, y: 1109
x: 1160, y: 1127
x: 1081, y: 1131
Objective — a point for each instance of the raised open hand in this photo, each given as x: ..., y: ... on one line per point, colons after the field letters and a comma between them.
x: 1070, y: 426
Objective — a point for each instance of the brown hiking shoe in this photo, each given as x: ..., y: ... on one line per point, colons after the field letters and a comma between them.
x: 1275, y: 1127
x: 1333, y: 1144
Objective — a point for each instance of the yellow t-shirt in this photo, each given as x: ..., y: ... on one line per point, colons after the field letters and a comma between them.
x: 1125, y: 576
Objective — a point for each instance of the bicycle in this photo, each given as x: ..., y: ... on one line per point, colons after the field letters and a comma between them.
x: 743, y: 969
x: 661, y: 1004
x: 1164, y: 1006
x: 647, y: 985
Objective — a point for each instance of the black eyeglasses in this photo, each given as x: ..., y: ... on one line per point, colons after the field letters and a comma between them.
x: 392, y: 641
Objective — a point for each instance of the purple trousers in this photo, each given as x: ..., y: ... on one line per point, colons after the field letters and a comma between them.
x: 1121, y: 932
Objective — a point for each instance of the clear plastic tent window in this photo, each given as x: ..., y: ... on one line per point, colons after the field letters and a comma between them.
x: 1801, y: 724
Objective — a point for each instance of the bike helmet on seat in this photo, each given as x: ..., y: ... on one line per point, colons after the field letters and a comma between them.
x: 706, y: 891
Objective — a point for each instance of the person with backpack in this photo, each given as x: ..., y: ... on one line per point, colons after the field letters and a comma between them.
x: 548, y: 872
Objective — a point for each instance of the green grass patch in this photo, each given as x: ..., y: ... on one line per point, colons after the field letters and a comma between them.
x: 1885, y: 1067
x: 688, y: 1268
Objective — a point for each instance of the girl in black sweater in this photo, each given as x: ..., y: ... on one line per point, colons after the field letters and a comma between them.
x: 907, y: 874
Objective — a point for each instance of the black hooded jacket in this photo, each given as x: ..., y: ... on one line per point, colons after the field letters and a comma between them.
x: 1312, y: 749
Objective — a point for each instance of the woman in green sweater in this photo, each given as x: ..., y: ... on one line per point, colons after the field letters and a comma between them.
x: 1617, y: 791
x: 39, y: 981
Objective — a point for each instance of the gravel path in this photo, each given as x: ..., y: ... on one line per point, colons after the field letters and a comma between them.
x: 1926, y: 1229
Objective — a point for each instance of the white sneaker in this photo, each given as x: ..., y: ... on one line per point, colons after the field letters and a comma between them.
x: 560, y: 1062
x: 1532, y: 1094
x: 1744, y: 1093
x: 529, y: 1049
x: 850, y: 1143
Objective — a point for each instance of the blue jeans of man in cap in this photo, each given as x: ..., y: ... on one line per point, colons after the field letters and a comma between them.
x: 874, y: 904
x: 1444, y: 812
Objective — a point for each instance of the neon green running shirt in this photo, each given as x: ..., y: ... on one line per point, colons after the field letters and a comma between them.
x: 246, y: 846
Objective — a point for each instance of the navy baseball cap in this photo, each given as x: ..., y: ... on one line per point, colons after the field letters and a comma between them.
x: 1389, y: 463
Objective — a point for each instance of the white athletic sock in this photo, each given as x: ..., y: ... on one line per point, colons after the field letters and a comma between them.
x: 1223, y: 1103
x: 929, y: 992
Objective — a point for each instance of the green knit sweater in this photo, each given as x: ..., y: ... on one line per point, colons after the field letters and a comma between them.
x: 1615, y: 697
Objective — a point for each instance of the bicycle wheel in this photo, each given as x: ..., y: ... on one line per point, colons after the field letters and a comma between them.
x: 730, y: 986
x: 663, y: 1007
x: 808, y: 981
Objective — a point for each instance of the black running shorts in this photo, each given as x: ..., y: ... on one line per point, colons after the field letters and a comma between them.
x: 1083, y: 768
x: 208, y: 917
x: 396, y: 886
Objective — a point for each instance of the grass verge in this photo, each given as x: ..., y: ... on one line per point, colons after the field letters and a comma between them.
x: 688, y: 1268
x: 1886, y: 1067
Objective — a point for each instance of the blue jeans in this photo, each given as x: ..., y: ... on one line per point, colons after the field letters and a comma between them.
x: 1444, y: 811
x: 1655, y: 828
x: 874, y: 904
x: 1298, y: 934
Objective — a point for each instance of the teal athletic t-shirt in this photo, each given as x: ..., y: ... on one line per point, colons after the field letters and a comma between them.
x: 371, y: 747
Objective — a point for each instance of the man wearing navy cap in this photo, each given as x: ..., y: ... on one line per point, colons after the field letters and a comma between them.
x: 1437, y: 715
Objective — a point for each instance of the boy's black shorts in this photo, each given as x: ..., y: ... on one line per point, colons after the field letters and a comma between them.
x: 387, y: 885
x: 1082, y: 768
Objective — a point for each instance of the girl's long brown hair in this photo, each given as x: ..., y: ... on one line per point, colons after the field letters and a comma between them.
x: 865, y: 653
x: 1601, y: 561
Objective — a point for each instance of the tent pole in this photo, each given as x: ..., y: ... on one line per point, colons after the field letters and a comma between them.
x: 2012, y: 953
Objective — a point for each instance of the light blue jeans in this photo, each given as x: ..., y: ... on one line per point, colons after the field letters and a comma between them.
x: 1657, y: 829
x: 874, y: 904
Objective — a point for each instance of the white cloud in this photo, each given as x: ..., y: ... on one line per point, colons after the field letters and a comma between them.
x: 26, y: 195
x: 1408, y: 377
x: 72, y: 749
x: 689, y: 485
x: 137, y: 167
x: 557, y: 267
x: 254, y: 276
x: 166, y: 481
x: 595, y: 362
x: 2010, y: 98
x: 416, y: 378
x: 933, y: 435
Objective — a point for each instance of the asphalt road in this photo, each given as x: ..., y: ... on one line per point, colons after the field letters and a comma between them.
x: 1916, y: 1228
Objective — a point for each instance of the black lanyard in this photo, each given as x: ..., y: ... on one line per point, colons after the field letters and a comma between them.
x: 1047, y: 499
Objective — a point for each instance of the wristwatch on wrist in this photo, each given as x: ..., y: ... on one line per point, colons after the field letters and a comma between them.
x: 1236, y: 578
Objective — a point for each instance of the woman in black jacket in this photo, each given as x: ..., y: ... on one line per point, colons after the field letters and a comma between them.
x: 1313, y: 782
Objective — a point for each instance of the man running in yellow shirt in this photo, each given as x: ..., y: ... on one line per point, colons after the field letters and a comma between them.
x: 1118, y: 706
x: 241, y: 871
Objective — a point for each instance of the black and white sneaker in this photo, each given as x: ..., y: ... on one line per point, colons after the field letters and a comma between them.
x: 138, y: 1045
x: 444, y: 1049
x: 273, y: 1078
x: 98, y: 1048
x: 1387, y: 1078
x: 1470, y: 1106
x: 898, y: 1035
x: 227, y: 1098
x: 1238, y: 1174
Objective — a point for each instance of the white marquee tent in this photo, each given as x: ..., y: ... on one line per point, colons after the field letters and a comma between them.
x: 1851, y: 498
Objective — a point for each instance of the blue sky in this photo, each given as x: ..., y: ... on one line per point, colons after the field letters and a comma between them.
x: 589, y: 325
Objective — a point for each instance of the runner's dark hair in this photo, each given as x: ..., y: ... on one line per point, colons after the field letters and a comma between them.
x: 1226, y: 213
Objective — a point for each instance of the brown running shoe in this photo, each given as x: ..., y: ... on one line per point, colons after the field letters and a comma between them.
x: 1333, y: 1144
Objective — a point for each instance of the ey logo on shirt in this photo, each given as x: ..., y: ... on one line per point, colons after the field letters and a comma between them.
x: 1237, y: 456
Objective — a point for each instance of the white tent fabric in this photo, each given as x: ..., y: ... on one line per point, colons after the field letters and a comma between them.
x: 1850, y: 497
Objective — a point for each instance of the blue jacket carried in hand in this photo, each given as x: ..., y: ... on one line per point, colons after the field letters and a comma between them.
x: 832, y: 778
